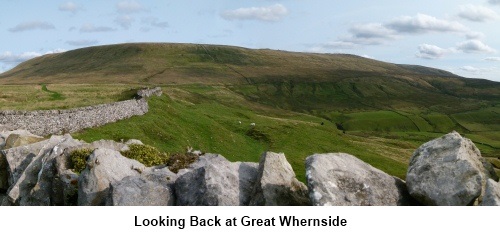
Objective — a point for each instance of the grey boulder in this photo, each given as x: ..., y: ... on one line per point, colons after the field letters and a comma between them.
x: 24, y: 166
x: 276, y: 184
x: 33, y: 179
x: 448, y: 171
x: 339, y: 179
x: 152, y: 188
x: 104, y: 167
x: 214, y: 181
x: 492, y: 194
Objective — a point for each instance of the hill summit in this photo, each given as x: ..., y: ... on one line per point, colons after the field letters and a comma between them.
x: 163, y: 63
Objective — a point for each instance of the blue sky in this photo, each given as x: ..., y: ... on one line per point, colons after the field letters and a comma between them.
x: 459, y: 36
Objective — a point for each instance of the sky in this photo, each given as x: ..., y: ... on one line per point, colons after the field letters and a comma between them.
x: 462, y: 37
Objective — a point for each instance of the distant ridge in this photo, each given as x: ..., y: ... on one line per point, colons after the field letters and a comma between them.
x: 164, y: 63
x: 290, y: 80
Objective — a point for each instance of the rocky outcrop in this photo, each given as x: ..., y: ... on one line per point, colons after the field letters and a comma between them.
x: 31, y: 170
x: 152, y: 188
x: 339, y: 179
x: 11, y: 139
x: 104, y: 167
x: 491, y: 194
x: 276, y: 184
x: 138, y: 191
x: 44, y: 192
x: 16, y: 160
x: 214, y: 181
x: 448, y: 171
x: 17, y: 138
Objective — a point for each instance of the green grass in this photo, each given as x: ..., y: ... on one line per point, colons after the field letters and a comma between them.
x: 39, y: 97
x: 379, y: 121
x: 487, y: 119
x: 440, y: 122
x: 53, y: 95
x: 174, y: 124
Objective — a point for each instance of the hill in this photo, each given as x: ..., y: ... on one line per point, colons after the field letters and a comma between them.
x: 297, y: 81
x: 302, y: 103
x: 188, y: 63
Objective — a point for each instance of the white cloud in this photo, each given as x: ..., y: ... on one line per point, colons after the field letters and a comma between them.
x: 474, y: 46
x: 129, y: 7
x: 428, y: 51
x: 11, y: 58
x: 422, y: 23
x: 381, y: 33
x: 270, y: 13
x: 477, y: 13
x: 57, y: 50
x: 90, y: 28
x: 125, y: 21
x: 32, y: 25
x: 371, y: 31
x: 82, y: 42
x: 70, y: 7
x: 492, y: 59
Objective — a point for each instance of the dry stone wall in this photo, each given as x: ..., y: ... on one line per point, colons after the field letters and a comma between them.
x: 68, y: 121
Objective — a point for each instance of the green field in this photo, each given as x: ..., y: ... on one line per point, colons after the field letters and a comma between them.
x: 205, y: 119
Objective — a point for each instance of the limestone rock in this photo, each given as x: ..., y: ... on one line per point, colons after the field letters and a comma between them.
x: 139, y: 191
x: 339, y: 179
x: 214, y: 181
x: 276, y: 184
x: 109, y: 144
x: 155, y: 187
x: 16, y: 160
x: 161, y: 175
x: 17, y: 140
x: 447, y: 171
x: 32, y: 179
x: 492, y: 194
x: 11, y: 139
x: 65, y: 188
x: 45, y: 191
x: 133, y: 141
x: 104, y: 167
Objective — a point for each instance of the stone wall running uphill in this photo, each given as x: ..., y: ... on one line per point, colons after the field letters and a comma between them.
x: 48, y: 122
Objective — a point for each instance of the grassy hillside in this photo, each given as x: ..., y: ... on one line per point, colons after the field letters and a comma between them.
x: 187, y: 63
x: 217, y: 120
x: 302, y: 103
